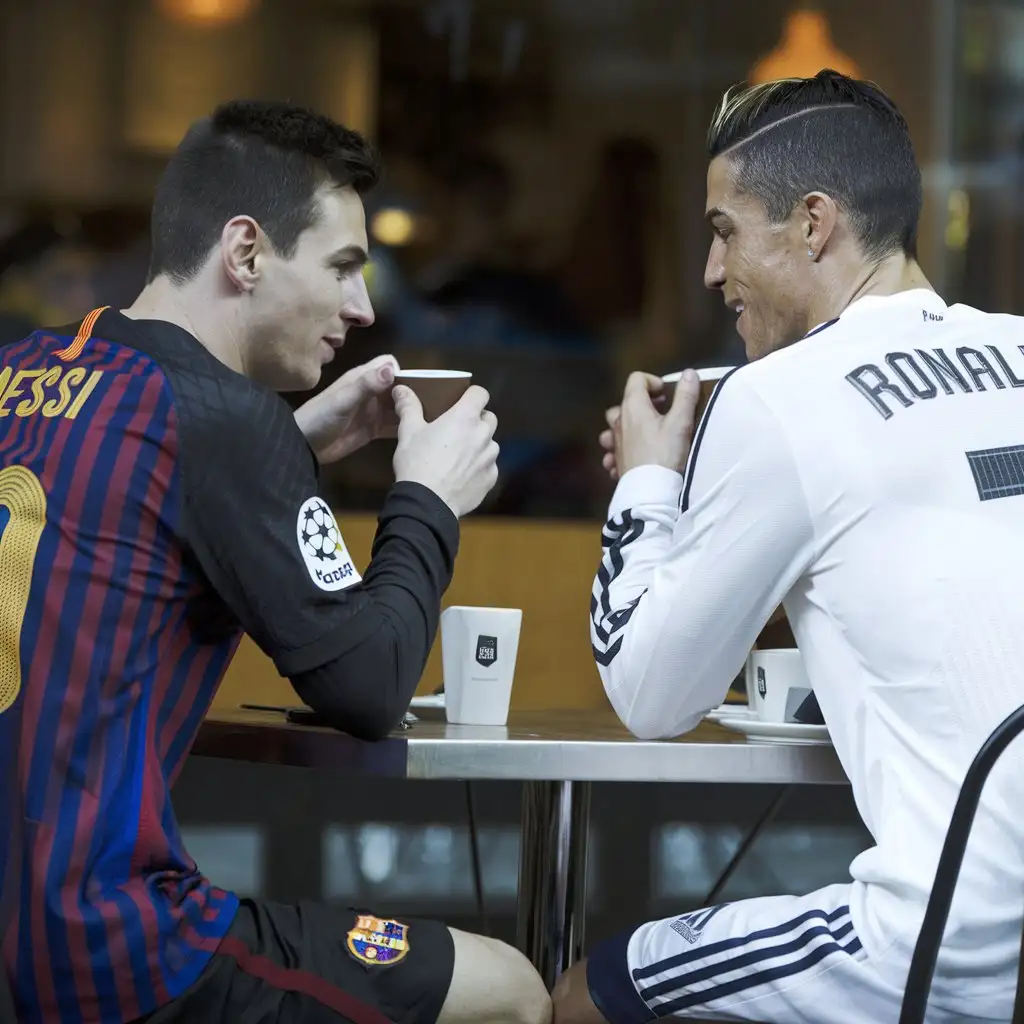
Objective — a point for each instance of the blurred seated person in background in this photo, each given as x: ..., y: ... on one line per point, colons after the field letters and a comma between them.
x: 164, y: 499
x: 495, y: 305
x: 484, y: 303
x: 46, y: 278
x: 482, y: 264
x: 865, y: 469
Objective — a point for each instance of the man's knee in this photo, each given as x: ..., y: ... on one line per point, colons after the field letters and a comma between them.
x: 526, y: 993
x: 571, y: 1000
x: 493, y: 983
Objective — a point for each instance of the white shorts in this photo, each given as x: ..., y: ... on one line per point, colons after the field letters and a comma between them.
x: 784, y: 959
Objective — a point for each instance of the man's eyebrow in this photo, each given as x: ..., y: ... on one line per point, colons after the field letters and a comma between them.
x: 347, y: 255
x: 713, y: 213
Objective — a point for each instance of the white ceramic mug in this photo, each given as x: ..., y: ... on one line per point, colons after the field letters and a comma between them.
x: 777, y: 684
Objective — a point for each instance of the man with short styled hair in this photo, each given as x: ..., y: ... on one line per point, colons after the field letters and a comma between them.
x: 865, y: 470
x: 161, y: 498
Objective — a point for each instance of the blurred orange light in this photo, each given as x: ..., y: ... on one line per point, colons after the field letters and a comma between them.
x: 805, y: 48
x: 393, y: 227
x: 206, y: 13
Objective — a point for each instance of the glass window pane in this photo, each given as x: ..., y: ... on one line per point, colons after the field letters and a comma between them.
x: 230, y: 856
x: 785, y: 859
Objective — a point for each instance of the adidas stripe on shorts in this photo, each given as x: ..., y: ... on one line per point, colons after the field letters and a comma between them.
x: 784, y: 959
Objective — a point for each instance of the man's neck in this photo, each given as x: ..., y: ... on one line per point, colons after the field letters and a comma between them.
x: 895, y: 274
x: 185, y: 307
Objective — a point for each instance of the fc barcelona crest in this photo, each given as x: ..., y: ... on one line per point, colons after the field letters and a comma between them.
x: 376, y: 941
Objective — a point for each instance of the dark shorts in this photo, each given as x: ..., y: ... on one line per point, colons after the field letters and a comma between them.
x: 313, y: 964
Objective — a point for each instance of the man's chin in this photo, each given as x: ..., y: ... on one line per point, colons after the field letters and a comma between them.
x: 757, y: 347
x: 754, y: 346
x: 294, y: 379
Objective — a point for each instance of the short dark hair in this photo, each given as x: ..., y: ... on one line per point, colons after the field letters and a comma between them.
x: 831, y: 134
x: 264, y: 159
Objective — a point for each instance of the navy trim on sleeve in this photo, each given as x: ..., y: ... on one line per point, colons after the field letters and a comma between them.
x: 684, y: 502
x: 611, y: 985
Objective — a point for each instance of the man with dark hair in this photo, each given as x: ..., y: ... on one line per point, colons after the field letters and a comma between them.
x: 787, y: 138
x: 866, y: 471
x: 274, y: 155
x: 161, y: 498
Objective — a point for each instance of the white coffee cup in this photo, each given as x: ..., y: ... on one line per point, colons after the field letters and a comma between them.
x: 437, y: 390
x: 479, y: 647
x: 704, y: 373
x: 708, y: 377
x: 777, y: 684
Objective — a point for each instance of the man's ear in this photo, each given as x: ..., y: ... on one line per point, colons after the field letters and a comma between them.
x: 241, y: 243
x: 820, y: 216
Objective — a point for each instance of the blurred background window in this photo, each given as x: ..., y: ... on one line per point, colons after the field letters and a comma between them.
x: 541, y: 221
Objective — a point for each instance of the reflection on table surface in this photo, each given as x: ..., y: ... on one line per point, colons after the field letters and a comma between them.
x: 566, y: 725
x: 547, y: 745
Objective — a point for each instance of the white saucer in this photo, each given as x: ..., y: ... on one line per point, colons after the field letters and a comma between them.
x: 768, y: 732
x: 431, y: 701
x: 729, y: 711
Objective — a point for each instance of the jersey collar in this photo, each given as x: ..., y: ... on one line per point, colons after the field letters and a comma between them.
x: 923, y: 298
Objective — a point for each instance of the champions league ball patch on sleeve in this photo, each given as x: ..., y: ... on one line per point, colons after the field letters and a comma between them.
x: 322, y: 548
x: 378, y: 942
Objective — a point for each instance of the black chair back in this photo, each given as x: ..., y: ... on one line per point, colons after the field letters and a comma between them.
x: 926, y: 951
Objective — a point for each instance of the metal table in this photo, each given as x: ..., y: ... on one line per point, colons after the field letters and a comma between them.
x: 556, y: 755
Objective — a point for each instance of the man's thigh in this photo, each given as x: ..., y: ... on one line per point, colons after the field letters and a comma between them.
x: 313, y: 964
x: 775, y: 960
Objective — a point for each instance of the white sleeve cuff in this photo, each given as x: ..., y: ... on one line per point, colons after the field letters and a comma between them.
x: 646, y: 485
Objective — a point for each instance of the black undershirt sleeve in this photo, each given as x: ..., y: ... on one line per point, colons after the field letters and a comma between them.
x: 354, y: 649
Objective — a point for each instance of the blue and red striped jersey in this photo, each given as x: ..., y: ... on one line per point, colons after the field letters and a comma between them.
x: 114, y: 917
x: 153, y: 505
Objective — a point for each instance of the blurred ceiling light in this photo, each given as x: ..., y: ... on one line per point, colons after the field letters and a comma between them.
x: 805, y: 48
x: 207, y: 13
x: 392, y: 226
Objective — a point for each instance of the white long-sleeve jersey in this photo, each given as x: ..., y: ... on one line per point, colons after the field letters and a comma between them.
x: 870, y: 478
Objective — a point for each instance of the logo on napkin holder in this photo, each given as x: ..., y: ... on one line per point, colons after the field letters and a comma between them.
x: 486, y: 650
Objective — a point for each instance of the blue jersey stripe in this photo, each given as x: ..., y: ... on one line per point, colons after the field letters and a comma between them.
x: 121, y: 777
x: 96, y: 475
